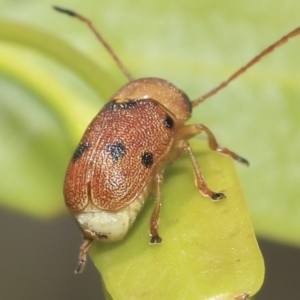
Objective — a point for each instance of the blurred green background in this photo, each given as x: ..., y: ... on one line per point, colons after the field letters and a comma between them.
x: 193, y: 44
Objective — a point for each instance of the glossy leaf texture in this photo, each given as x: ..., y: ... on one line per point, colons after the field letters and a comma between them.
x: 209, y: 249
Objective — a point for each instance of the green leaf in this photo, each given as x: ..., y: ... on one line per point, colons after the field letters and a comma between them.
x: 209, y: 249
x: 36, y: 137
x: 54, y: 47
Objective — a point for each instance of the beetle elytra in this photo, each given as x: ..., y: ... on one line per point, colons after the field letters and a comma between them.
x: 122, y: 155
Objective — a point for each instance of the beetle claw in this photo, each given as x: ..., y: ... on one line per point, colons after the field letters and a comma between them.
x: 82, y: 255
x: 217, y: 196
x: 243, y: 160
x: 156, y: 239
x: 242, y: 296
x: 80, y: 266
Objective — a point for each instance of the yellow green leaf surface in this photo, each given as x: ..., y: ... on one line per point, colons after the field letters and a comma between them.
x: 209, y: 249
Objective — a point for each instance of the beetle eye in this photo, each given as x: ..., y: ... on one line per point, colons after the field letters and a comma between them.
x: 168, y: 122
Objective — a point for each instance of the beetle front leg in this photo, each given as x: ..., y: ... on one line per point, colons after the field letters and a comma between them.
x: 199, y: 180
x: 154, y: 221
x: 82, y: 255
x: 190, y: 131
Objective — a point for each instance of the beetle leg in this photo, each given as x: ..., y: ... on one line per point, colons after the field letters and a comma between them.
x: 199, y: 180
x: 154, y: 221
x: 190, y: 131
x: 242, y: 296
x: 82, y: 255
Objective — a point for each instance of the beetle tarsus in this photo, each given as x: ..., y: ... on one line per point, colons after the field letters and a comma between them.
x: 80, y: 267
x: 217, y: 196
x: 242, y: 296
x: 242, y: 160
x: 156, y: 239
x: 82, y: 255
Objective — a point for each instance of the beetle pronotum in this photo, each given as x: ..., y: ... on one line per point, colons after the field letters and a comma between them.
x: 122, y: 155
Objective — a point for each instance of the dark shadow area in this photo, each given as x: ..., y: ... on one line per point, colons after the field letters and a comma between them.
x: 282, y: 272
x: 38, y: 260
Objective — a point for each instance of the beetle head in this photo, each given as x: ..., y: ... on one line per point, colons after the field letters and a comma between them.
x: 161, y: 91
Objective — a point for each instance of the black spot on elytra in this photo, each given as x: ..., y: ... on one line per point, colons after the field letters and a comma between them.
x: 114, y: 104
x: 116, y: 150
x: 79, y: 151
x: 147, y: 159
x: 168, y: 122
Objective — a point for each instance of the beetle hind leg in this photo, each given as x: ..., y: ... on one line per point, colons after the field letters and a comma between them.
x: 154, y: 221
x: 82, y: 255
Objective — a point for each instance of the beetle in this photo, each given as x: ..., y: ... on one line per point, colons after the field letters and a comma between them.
x: 122, y: 155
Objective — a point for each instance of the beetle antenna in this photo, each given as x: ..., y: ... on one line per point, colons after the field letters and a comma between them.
x: 99, y: 37
x: 252, y: 62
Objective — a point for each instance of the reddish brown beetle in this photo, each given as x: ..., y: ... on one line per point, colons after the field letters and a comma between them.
x: 121, y: 158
